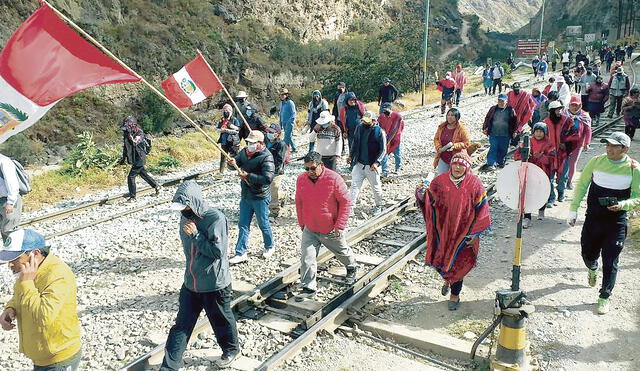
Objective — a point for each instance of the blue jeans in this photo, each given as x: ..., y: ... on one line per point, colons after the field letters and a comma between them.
x: 561, y: 182
x: 288, y: 136
x: 247, y: 209
x: 217, y: 306
x: 497, y: 150
x: 385, y: 161
x: 312, y: 146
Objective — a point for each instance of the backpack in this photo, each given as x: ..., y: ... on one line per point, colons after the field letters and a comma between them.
x: 23, y: 179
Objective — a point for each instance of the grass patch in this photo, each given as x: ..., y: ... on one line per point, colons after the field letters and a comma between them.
x: 168, y: 152
x: 459, y: 327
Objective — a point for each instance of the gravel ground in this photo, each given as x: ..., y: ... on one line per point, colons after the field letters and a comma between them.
x: 130, y: 269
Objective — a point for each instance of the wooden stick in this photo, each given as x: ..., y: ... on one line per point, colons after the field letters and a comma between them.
x: 226, y: 91
x: 153, y: 88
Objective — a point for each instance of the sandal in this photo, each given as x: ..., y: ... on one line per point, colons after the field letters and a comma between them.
x: 454, y: 305
x: 445, y: 290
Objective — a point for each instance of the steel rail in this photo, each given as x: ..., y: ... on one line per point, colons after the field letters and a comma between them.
x: 336, y: 313
x: 290, y: 275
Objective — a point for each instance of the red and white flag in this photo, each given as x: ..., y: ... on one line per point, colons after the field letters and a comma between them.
x: 192, y: 84
x: 43, y: 62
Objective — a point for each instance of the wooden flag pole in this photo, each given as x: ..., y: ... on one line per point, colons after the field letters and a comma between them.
x: 153, y: 88
x: 226, y: 91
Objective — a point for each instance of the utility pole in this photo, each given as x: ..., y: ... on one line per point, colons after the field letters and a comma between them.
x: 619, y: 19
x: 541, y: 27
x: 426, y: 51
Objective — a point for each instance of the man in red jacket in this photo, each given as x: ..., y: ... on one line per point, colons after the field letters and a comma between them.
x: 322, y: 206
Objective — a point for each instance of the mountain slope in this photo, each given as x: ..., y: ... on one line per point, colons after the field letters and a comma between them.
x: 501, y: 15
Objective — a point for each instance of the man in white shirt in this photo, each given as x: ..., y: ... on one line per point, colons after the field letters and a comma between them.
x: 10, y: 200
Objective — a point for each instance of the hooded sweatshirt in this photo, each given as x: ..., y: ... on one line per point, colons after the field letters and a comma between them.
x: 315, y: 107
x: 207, y: 264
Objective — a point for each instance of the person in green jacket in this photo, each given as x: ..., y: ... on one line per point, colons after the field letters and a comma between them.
x: 613, y: 184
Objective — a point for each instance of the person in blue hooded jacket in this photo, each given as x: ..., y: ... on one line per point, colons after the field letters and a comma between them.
x: 204, y: 234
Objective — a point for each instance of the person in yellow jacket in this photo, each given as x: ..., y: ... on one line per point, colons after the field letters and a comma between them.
x: 44, y: 303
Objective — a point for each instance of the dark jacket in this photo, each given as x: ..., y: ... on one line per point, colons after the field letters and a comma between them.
x: 261, y: 170
x: 488, y: 120
x: 232, y: 138
x: 377, y: 145
x: 278, y: 150
x: 387, y: 94
x: 207, y: 263
x: 255, y: 122
x: 135, y: 154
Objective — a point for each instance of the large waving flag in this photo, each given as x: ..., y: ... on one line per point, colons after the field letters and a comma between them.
x: 192, y: 84
x: 43, y: 62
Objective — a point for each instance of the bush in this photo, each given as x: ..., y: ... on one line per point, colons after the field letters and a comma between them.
x: 158, y: 114
x: 23, y: 149
x: 166, y: 163
x: 86, y: 155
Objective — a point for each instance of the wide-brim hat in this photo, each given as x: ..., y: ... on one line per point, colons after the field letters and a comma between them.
x: 242, y: 94
x: 325, y: 117
x: 555, y: 104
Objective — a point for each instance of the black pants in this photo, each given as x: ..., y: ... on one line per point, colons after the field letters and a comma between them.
x: 496, y: 83
x: 456, y: 287
x: 606, y: 238
x: 131, y: 179
x: 217, y: 306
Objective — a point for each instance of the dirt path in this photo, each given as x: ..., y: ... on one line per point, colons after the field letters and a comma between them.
x: 464, y: 36
x: 565, y: 333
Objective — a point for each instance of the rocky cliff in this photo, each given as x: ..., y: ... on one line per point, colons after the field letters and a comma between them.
x: 501, y: 15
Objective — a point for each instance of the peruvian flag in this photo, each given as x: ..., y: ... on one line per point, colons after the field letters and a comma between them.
x: 192, y: 84
x: 43, y: 62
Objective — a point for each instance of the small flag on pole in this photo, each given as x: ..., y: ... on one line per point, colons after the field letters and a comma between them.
x: 192, y: 84
x: 43, y: 62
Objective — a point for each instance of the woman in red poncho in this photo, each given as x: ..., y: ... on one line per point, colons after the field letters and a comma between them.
x: 456, y: 212
x: 448, y: 87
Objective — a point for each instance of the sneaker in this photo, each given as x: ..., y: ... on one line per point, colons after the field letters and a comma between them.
x: 592, y: 276
x: 377, y: 210
x: 526, y: 223
x: 226, y: 359
x: 239, y: 259
x: 385, y: 175
x: 549, y: 204
x: 501, y: 166
x: 131, y: 199
x: 540, y: 214
x: 350, y: 278
x: 453, y: 305
x: 603, y: 306
x: 268, y: 253
x: 158, y: 189
x: 569, y: 186
x: 306, y: 293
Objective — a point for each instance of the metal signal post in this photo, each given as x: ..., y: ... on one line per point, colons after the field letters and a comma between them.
x: 426, y: 50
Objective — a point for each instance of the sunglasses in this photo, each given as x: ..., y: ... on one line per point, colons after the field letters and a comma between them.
x: 310, y: 168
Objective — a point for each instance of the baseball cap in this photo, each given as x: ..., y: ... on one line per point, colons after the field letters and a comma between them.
x: 386, y: 79
x: 502, y: 97
x: 368, y: 117
x: 617, y: 138
x: 19, y: 242
x: 555, y: 104
x: 255, y: 136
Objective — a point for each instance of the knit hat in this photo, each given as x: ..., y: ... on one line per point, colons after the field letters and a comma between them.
x: 462, y: 158
x: 540, y: 126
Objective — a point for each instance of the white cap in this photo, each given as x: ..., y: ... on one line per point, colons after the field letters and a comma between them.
x: 241, y: 94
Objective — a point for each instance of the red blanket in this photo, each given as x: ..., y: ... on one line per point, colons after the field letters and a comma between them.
x: 393, y: 127
x: 451, y: 214
x: 524, y: 104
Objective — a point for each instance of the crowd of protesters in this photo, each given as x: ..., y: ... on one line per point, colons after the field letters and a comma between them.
x: 454, y: 203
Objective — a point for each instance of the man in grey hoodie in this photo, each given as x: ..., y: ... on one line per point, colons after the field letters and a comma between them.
x: 207, y: 282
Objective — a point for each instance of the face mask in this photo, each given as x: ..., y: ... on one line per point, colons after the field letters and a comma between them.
x: 387, y: 113
x: 249, y: 113
x: 252, y: 147
x: 516, y: 90
x: 324, y: 126
x: 241, y: 100
x: 271, y: 136
x: 226, y: 115
x: 619, y: 73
